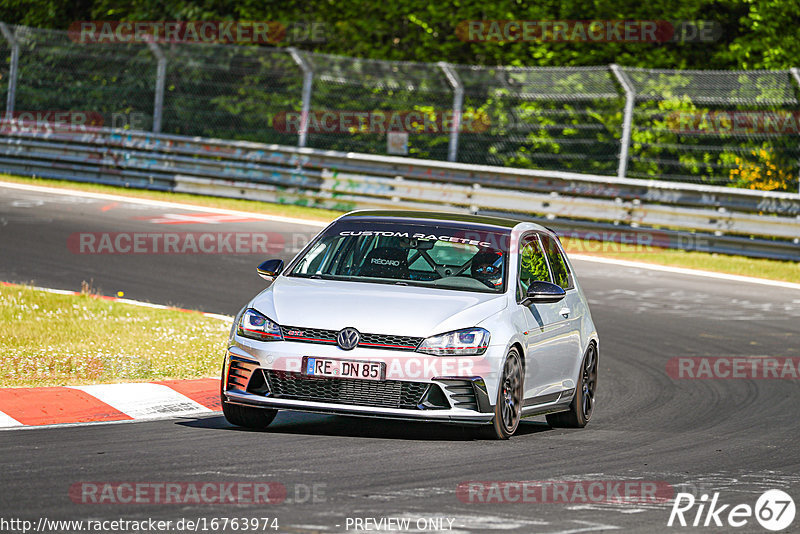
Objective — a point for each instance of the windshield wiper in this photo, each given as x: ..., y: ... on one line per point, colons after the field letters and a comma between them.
x: 318, y: 276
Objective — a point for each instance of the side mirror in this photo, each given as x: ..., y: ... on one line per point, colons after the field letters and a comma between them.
x: 270, y: 269
x: 543, y: 293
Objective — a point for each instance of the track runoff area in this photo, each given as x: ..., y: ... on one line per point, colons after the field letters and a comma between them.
x: 695, y: 422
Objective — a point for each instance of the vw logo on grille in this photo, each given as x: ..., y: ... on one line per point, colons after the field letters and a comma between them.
x: 348, y: 338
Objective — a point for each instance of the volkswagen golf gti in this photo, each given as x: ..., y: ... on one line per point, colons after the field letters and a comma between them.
x: 419, y: 316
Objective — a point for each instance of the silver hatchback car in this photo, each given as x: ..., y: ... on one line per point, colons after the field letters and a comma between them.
x: 415, y: 315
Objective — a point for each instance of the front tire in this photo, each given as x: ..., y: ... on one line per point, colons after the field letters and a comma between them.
x: 508, y: 408
x: 244, y: 416
x: 582, y: 406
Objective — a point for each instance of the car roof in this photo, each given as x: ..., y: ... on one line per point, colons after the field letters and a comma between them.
x: 497, y: 222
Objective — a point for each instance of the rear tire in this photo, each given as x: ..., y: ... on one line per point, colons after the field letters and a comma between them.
x: 508, y: 408
x: 582, y: 406
x: 244, y: 416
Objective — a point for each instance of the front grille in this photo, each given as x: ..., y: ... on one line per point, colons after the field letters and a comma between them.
x: 379, y: 394
x: 328, y: 337
x: 381, y: 341
x: 308, y: 335
x: 239, y: 373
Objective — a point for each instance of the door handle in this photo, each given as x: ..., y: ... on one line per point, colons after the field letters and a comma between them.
x: 565, y: 312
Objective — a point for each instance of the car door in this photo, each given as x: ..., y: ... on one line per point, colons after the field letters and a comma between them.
x: 545, y: 343
x: 570, y: 311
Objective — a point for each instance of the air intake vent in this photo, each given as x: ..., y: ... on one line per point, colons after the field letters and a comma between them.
x: 239, y: 373
x: 461, y: 394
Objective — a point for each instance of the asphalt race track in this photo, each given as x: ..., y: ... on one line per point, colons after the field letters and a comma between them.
x: 736, y: 437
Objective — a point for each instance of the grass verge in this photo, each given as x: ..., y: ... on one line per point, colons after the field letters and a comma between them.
x: 58, y: 340
x: 786, y: 271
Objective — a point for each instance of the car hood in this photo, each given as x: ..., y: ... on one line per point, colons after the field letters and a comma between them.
x: 374, y: 308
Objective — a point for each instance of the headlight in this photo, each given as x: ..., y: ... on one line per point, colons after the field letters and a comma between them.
x: 257, y: 326
x: 467, y: 342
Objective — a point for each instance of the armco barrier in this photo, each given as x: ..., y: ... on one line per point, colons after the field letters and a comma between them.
x: 754, y: 223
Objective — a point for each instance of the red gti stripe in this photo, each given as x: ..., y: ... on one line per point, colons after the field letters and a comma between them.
x: 385, y: 345
x: 310, y: 339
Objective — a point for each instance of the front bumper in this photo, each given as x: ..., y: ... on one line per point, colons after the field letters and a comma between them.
x: 452, y: 415
x: 417, y: 386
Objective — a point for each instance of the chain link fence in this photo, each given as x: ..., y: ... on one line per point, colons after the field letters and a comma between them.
x: 738, y: 128
x: 543, y: 118
x: 726, y: 128
x: 96, y: 84
x: 355, y: 103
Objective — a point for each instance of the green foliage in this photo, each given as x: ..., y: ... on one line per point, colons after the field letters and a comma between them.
x: 533, y: 266
x: 237, y: 92
x: 755, y: 34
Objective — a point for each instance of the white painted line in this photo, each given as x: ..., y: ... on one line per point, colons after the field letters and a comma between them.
x: 226, y: 318
x: 6, y: 421
x: 683, y: 270
x: 589, y: 527
x: 161, y: 204
x: 96, y: 423
x: 55, y: 291
x: 140, y: 303
x: 144, y: 401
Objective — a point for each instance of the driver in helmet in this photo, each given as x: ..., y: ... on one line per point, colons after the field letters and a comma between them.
x: 487, y: 267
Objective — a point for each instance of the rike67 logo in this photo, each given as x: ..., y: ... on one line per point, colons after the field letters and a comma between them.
x: 774, y: 510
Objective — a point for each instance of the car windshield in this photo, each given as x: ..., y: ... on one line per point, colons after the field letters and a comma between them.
x: 438, y: 255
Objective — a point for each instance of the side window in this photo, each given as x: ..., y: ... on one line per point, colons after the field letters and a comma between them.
x: 532, y: 263
x: 312, y: 262
x: 561, y: 274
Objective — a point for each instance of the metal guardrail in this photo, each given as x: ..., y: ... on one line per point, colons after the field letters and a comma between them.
x: 730, y: 128
x: 727, y: 220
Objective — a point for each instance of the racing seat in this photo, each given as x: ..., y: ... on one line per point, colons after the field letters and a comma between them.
x: 386, y: 262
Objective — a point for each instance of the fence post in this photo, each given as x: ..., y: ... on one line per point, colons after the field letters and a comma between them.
x: 161, y: 75
x: 458, y: 105
x: 796, y: 75
x: 308, y: 80
x: 630, y: 97
x: 13, y: 70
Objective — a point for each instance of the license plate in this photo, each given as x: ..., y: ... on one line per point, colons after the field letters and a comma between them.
x: 328, y: 368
